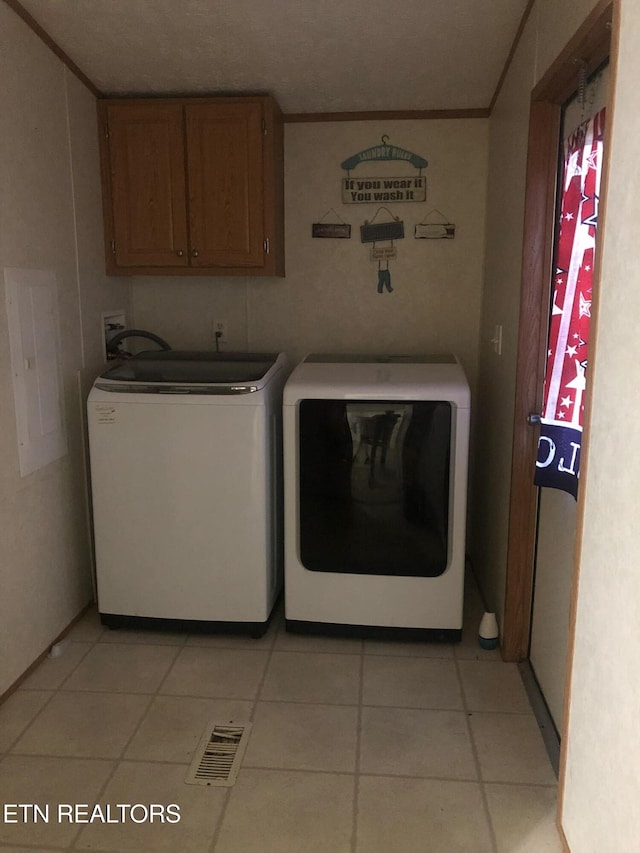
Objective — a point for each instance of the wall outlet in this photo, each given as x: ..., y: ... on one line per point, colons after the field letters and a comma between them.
x: 219, y: 331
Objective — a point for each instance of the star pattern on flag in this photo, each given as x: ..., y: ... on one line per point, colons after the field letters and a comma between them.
x: 590, y: 208
x: 579, y: 382
x: 570, y: 309
x: 584, y: 309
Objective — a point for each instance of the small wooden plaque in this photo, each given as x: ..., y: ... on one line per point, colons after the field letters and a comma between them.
x: 435, y: 231
x: 335, y: 230
x: 381, y: 231
x: 384, y: 253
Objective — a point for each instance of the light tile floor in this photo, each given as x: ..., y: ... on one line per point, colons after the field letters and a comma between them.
x: 356, y: 747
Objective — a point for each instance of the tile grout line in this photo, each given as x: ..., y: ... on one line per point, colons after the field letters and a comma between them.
x: 54, y: 692
x: 256, y: 699
x: 353, y: 653
x: 542, y: 785
x: 356, y: 777
x: 380, y: 775
x: 117, y: 762
x: 12, y: 745
x: 476, y: 758
x: 231, y: 698
x: 64, y: 680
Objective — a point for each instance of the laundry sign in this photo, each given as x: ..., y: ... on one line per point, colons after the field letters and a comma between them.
x: 377, y: 189
x: 384, y: 188
x: 384, y: 152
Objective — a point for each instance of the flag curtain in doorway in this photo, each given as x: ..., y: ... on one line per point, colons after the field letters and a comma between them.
x: 558, y: 462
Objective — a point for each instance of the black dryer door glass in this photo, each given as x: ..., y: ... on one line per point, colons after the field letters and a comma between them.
x: 374, y: 486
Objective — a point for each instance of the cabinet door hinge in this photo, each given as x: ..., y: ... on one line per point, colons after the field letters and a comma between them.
x: 266, y: 245
x: 113, y: 247
x: 264, y: 127
x: 106, y: 130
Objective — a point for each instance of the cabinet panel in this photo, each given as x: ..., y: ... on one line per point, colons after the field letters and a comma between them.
x: 224, y: 156
x: 193, y: 186
x: 146, y: 147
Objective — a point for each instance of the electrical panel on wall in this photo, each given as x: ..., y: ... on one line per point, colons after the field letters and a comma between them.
x: 36, y: 367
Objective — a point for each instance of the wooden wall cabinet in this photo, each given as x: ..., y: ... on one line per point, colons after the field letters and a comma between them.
x: 192, y: 186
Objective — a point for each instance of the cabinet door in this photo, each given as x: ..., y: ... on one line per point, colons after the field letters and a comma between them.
x: 226, y: 205
x: 148, y: 184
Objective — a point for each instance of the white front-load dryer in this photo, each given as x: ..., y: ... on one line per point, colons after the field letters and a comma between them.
x: 375, y: 465
x: 185, y: 452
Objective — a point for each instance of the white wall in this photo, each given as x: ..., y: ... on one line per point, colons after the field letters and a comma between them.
x: 501, y: 304
x: 328, y: 299
x: 602, y: 787
x: 50, y: 219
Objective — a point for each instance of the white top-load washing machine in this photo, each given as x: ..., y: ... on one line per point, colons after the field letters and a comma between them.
x: 185, y: 452
x: 375, y: 465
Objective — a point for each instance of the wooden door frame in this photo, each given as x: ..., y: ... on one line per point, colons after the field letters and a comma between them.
x: 590, y: 45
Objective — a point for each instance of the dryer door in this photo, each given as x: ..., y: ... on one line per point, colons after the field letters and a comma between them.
x: 374, y: 486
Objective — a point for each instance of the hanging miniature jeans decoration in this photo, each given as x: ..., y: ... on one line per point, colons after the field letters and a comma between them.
x: 384, y: 280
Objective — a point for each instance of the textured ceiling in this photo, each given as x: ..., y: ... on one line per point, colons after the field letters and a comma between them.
x: 320, y: 56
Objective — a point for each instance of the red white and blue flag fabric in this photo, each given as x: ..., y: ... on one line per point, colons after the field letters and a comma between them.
x: 558, y: 462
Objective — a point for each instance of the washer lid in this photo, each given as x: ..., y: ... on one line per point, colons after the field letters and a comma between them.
x: 193, y: 367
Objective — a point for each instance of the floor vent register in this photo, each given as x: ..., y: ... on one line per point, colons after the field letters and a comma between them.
x: 219, y: 754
